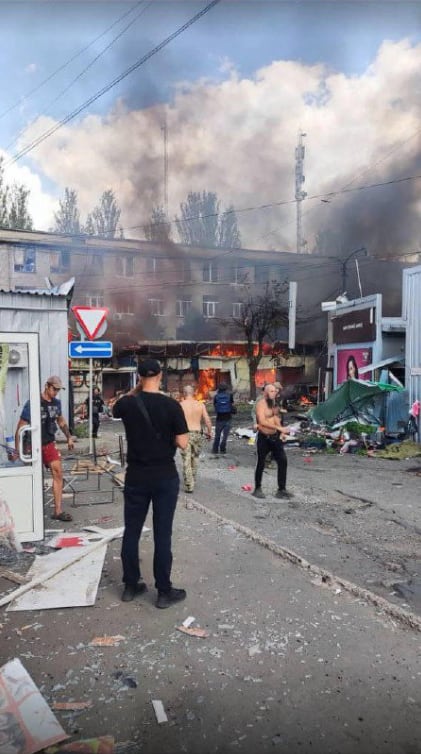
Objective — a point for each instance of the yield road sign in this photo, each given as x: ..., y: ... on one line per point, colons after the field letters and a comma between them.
x: 90, y: 319
x: 90, y: 349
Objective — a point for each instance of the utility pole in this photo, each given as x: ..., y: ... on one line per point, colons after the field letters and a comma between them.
x: 299, y: 193
x: 344, y: 262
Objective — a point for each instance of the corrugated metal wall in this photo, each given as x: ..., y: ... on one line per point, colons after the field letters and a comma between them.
x: 411, y: 310
x: 46, y: 315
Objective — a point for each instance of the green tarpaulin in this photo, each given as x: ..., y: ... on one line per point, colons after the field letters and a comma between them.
x: 353, y: 399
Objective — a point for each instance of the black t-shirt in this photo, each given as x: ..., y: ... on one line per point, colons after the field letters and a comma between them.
x: 150, y: 457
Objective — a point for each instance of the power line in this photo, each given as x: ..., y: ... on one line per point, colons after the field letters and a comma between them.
x: 113, y: 83
x: 67, y: 63
x: 271, y: 205
x: 83, y: 71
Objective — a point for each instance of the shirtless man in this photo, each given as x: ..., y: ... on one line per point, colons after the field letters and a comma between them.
x: 270, y: 435
x: 196, y: 416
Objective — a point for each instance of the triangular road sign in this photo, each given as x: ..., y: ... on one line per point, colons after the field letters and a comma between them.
x: 90, y: 319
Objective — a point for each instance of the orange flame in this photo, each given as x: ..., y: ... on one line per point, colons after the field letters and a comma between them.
x: 206, y: 384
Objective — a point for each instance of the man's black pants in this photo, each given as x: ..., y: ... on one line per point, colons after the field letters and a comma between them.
x: 271, y: 444
x: 163, y: 493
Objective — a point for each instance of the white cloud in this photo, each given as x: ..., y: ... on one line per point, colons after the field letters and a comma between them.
x: 31, y: 68
x: 238, y: 138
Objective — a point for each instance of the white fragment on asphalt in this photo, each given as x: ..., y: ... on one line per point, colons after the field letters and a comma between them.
x: 160, y: 714
x: 186, y: 623
x: 254, y: 650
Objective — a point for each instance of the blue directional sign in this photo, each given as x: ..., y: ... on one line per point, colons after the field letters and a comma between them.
x: 90, y: 349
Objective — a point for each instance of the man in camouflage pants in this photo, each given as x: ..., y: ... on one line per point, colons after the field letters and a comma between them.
x: 196, y: 416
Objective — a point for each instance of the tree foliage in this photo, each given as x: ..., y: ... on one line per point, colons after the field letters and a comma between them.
x: 14, y: 211
x: 262, y: 315
x: 103, y: 219
x: 67, y: 219
x: 202, y: 224
x: 158, y: 229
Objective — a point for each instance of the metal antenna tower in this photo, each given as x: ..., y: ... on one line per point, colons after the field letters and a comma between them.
x: 164, y: 129
x: 299, y: 193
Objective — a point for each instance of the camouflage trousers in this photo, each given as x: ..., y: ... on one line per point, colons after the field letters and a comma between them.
x: 190, y: 458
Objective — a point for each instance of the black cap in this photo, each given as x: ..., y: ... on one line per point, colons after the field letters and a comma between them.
x: 149, y: 368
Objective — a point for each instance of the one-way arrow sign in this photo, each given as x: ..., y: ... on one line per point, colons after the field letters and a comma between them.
x: 90, y: 349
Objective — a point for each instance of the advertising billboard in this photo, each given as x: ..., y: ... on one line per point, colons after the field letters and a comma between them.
x: 350, y: 360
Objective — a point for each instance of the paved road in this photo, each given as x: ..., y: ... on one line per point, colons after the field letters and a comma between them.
x: 291, y: 664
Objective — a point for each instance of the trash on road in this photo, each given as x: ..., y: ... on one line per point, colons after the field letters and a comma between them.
x: 194, y: 631
x: 72, y: 706
x: 247, y: 487
x: 106, y: 641
x: 160, y: 714
x: 100, y: 745
x: 27, y: 720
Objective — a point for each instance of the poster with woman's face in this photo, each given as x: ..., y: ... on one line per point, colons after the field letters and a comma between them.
x: 350, y: 361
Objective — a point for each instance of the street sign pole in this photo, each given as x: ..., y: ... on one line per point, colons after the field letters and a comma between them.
x: 91, y: 441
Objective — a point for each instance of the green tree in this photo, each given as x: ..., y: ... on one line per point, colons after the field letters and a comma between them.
x: 103, y: 220
x: 158, y: 229
x: 19, y: 217
x: 14, y: 211
x: 67, y: 219
x: 202, y: 224
x: 261, y: 316
x: 4, y: 196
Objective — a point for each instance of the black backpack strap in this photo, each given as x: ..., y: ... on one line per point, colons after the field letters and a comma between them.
x: 145, y: 413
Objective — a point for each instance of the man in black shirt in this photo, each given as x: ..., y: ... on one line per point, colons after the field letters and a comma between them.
x: 155, y: 427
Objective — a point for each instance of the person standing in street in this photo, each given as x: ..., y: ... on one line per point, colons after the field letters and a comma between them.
x: 270, y: 434
x: 155, y: 427
x: 224, y: 408
x: 97, y: 409
x: 51, y: 415
x: 197, y: 417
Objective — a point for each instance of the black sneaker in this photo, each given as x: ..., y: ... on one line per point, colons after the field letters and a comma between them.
x: 258, y: 493
x: 284, y: 494
x: 165, y: 599
x: 132, y: 590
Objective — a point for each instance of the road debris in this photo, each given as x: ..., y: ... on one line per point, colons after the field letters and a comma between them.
x: 72, y: 706
x: 194, y: 631
x: 160, y: 714
x: 106, y: 641
x: 25, y: 714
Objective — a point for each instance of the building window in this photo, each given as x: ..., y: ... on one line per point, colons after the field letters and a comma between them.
x: 95, y: 299
x: 25, y: 260
x: 239, y: 275
x: 124, y: 266
x: 209, y: 307
x: 156, y: 307
x: 153, y: 266
x: 183, y: 307
x: 60, y: 261
x: 261, y: 274
x: 237, y: 309
x: 97, y: 263
x: 210, y: 272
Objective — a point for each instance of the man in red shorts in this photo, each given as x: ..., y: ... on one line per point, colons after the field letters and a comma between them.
x: 50, y: 416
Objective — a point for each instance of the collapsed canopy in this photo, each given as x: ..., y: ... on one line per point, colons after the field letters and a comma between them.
x: 353, y: 399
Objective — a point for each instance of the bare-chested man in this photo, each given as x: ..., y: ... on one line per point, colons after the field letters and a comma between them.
x: 196, y: 417
x: 270, y: 434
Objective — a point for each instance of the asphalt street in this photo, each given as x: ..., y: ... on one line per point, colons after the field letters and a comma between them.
x: 293, y: 661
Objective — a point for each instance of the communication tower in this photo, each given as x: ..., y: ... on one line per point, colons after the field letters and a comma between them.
x: 299, y: 193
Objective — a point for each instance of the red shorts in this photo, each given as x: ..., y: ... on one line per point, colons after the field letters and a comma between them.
x: 50, y: 453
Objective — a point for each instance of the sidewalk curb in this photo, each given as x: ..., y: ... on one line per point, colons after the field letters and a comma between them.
x: 407, y: 618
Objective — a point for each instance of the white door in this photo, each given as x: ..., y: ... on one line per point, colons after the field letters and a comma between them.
x: 21, y: 480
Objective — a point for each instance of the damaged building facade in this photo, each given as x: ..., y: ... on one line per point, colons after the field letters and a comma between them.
x: 178, y: 303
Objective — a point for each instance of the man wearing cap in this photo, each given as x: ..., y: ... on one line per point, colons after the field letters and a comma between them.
x: 155, y: 427
x: 51, y: 416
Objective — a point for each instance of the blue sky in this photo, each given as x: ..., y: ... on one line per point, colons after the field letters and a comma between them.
x: 235, y: 40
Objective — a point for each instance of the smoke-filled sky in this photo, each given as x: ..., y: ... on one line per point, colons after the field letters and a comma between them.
x: 235, y: 89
